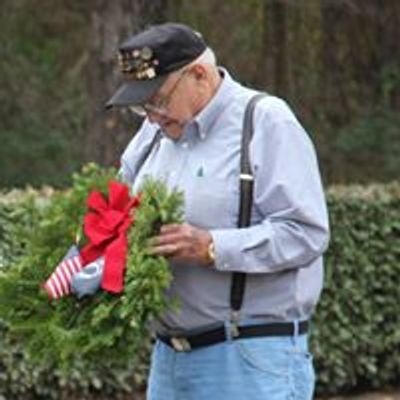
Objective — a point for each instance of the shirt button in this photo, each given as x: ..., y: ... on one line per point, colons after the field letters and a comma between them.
x: 202, y: 135
x: 226, y: 266
x: 185, y: 145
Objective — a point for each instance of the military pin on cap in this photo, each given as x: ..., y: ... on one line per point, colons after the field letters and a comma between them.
x: 146, y: 53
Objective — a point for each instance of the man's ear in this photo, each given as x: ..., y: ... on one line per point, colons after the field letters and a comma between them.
x: 199, y: 71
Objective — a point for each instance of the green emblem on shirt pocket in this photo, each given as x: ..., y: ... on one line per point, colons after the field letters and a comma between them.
x: 200, y: 172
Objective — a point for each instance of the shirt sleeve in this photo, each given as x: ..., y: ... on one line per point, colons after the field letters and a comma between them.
x: 293, y: 229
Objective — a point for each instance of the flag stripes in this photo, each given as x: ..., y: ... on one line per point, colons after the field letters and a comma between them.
x: 59, y: 282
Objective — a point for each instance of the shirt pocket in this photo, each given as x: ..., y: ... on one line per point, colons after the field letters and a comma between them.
x: 212, y: 203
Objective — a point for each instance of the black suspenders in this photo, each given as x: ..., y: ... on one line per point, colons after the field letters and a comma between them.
x: 154, y: 141
x: 245, y: 201
x: 245, y: 205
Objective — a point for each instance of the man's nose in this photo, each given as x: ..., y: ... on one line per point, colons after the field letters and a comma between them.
x: 152, y: 117
x: 155, y: 117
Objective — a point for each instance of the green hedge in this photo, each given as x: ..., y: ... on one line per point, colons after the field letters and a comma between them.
x: 356, y: 331
x: 356, y: 336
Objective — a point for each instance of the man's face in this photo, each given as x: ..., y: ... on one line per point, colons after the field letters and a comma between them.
x: 172, y: 107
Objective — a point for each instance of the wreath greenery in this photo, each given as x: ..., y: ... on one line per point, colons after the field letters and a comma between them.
x: 101, y: 328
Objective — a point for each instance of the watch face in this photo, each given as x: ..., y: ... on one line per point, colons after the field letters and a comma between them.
x: 211, y: 253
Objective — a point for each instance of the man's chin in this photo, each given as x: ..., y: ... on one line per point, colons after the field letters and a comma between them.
x: 173, y: 130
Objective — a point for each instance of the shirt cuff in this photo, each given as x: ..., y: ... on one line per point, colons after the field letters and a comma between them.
x: 238, y: 249
x: 228, y: 248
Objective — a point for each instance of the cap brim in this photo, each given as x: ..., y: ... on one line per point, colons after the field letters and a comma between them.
x: 135, y: 92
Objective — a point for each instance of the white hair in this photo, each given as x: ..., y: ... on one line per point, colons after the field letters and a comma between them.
x: 207, y: 57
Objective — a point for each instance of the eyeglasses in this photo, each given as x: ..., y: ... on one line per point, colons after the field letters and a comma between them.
x: 160, y: 105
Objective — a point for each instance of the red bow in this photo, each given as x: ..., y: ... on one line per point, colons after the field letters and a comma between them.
x: 106, y: 225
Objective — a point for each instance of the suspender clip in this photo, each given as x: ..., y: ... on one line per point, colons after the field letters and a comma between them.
x: 234, y: 323
x: 246, y: 177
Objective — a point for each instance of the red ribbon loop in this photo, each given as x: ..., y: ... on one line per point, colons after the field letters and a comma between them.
x: 105, y: 226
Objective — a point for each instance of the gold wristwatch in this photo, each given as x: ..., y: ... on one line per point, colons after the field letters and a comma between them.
x: 211, y: 252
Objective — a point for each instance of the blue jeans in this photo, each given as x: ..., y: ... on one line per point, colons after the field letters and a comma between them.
x: 270, y: 368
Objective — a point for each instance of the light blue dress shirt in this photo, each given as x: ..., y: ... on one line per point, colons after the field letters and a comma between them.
x: 282, y: 249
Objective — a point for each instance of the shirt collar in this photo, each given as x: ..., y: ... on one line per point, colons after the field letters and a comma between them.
x: 208, y: 115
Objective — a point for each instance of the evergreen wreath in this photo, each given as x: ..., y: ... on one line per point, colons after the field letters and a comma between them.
x: 104, y: 328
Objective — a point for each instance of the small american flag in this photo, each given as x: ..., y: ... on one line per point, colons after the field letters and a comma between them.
x: 59, y: 282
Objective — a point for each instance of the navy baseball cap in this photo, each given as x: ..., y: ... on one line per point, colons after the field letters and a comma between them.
x: 147, y: 58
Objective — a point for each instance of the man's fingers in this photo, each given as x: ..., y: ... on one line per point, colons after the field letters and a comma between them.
x: 180, y: 242
x: 170, y: 228
x: 164, y: 250
x: 166, y: 239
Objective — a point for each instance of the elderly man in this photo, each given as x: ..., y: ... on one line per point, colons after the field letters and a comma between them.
x: 246, y: 291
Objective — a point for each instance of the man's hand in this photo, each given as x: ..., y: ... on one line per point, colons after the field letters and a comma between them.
x: 183, y: 243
